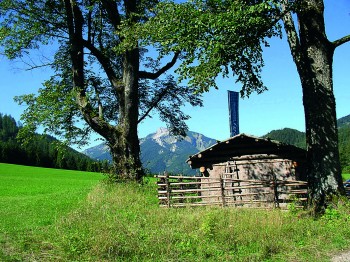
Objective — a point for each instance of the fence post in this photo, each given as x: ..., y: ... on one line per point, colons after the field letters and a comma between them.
x: 275, y: 190
x: 181, y: 200
x: 222, y: 191
x: 161, y: 180
x: 167, y: 186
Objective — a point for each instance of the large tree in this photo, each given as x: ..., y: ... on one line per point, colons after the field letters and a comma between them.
x: 228, y: 36
x: 313, y: 54
x: 99, y: 83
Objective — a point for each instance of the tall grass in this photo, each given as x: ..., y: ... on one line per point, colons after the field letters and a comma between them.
x: 123, y: 222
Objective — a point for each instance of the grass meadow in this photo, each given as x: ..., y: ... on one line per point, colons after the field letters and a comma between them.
x: 346, y: 176
x: 58, y: 215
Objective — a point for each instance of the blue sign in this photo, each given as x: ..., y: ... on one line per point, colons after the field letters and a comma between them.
x: 233, y: 98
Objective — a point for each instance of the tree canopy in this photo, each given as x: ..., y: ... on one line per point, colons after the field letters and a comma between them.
x: 98, y: 85
x: 215, y: 38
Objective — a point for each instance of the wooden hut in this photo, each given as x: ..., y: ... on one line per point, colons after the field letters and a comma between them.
x: 258, y: 170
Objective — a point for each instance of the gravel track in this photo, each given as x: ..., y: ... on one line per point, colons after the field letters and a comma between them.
x: 343, y: 257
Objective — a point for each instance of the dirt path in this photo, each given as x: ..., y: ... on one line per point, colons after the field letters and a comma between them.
x: 343, y: 257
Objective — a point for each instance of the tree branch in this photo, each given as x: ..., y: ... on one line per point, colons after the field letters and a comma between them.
x: 104, y: 63
x: 292, y: 35
x: 75, y: 23
x: 32, y: 67
x: 149, y: 75
x: 341, y: 41
x: 112, y: 11
x: 153, y: 105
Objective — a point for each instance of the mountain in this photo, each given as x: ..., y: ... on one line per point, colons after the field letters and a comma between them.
x: 344, y: 143
x: 161, y: 151
x: 288, y: 136
x: 344, y: 121
x: 297, y: 138
x: 41, y: 150
x: 99, y: 152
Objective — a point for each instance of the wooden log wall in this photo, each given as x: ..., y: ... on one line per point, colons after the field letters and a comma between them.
x: 180, y: 191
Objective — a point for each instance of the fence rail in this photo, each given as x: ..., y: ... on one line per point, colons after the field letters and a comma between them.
x: 179, y: 191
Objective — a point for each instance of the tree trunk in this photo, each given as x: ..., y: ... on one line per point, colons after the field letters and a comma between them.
x: 314, y: 65
x: 132, y: 166
x: 130, y: 105
x: 123, y: 139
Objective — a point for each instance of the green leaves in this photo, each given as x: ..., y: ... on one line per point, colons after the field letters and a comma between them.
x: 215, y: 38
x: 25, y: 25
x: 57, y: 113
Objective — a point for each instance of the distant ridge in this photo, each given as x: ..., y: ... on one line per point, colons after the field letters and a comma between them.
x: 41, y: 150
x: 161, y: 151
x: 288, y: 136
x: 344, y: 121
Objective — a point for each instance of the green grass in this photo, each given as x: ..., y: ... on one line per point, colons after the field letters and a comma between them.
x: 32, y: 197
x: 123, y: 222
x: 346, y: 176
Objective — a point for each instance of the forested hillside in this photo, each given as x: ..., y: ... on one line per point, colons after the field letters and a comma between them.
x: 297, y: 138
x: 288, y: 136
x: 42, y: 151
x: 344, y: 121
x: 344, y: 147
x: 344, y: 142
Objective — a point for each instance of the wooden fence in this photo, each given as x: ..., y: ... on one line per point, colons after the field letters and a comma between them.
x: 179, y: 191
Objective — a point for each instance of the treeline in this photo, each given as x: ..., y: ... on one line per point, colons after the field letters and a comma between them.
x: 344, y: 148
x: 289, y: 136
x: 344, y: 143
x: 297, y: 138
x: 42, y: 151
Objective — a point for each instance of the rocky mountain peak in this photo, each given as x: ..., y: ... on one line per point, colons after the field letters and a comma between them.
x: 163, y: 137
x: 162, y: 131
x: 162, y: 151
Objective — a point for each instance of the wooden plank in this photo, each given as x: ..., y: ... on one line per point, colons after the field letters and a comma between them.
x: 248, y: 194
x: 250, y: 201
x: 195, y: 204
x: 279, y: 182
x: 258, y: 160
x: 193, y: 183
x: 211, y: 180
x: 255, y: 205
x: 290, y: 184
x: 243, y: 180
x: 183, y: 177
x: 195, y: 197
x: 194, y: 190
x: 294, y: 191
x: 230, y: 197
x: 245, y: 187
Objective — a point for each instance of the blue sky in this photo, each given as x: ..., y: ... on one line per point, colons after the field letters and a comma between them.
x: 279, y: 107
